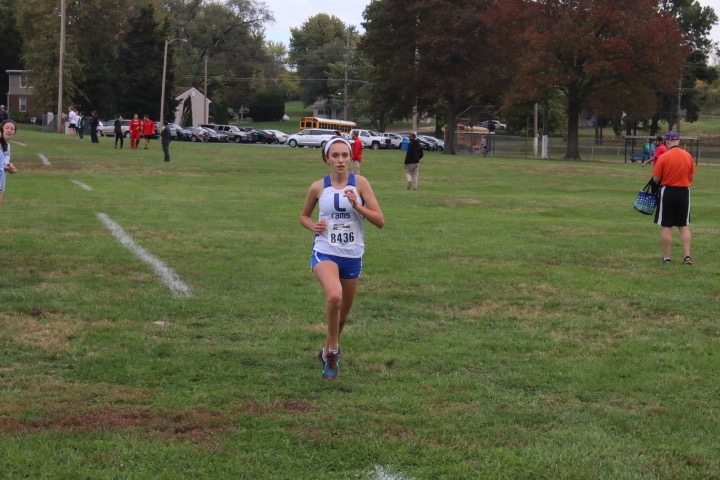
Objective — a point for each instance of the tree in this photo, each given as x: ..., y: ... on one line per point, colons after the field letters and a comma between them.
x: 142, y: 52
x: 268, y: 107
x: 186, y: 119
x: 695, y: 22
x: 228, y: 38
x: 416, y: 63
x: 319, y: 42
x: 12, y: 41
x: 598, y: 55
x: 40, y: 23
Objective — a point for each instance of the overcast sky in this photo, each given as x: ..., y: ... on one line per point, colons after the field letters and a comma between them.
x: 293, y: 13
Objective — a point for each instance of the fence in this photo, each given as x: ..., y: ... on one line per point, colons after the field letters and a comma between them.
x: 609, y: 149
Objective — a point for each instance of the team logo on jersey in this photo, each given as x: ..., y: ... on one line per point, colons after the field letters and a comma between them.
x: 337, y: 204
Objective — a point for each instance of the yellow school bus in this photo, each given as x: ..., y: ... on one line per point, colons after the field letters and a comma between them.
x: 329, y: 123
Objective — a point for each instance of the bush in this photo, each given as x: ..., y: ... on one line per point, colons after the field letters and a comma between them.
x: 268, y: 107
x: 19, y: 117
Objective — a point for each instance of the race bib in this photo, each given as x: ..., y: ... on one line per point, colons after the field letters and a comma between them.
x: 341, y: 234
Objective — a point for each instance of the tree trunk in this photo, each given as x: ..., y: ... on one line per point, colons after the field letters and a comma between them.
x: 573, y: 144
x: 451, y: 128
x: 654, y: 125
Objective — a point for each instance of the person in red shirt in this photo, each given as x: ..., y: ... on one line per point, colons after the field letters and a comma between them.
x: 674, y: 171
x: 660, y: 148
x: 357, y: 148
x: 136, y: 127
x: 148, y: 130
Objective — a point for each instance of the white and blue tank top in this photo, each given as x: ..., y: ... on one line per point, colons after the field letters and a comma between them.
x: 345, y: 233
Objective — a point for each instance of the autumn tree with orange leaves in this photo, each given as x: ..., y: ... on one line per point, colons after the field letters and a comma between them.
x: 432, y: 51
x: 605, y: 56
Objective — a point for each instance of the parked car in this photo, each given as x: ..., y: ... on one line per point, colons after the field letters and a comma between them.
x: 251, y: 134
x: 266, y: 136
x: 312, y: 137
x: 179, y: 133
x: 108, y: 129
x: 395, y: 140
x: 158, y: 129
x: 426, y: 144
x: 281, y: 137
x: 215, y: 136
x: 438, y: 144
x: 199, y: 134
x: 234, y: 133
x: 496, y: 125
x: 370, y: 139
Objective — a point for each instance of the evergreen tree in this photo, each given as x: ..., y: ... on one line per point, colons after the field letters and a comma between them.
x: 142, y: 53
x: 187, y: 117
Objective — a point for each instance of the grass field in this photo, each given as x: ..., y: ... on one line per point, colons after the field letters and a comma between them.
x: 513, y: 321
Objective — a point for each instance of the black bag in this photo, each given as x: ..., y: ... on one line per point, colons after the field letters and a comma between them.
x: 647, y: 199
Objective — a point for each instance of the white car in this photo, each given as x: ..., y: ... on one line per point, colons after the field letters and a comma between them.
x: 395, y: 140
x: 370, y: 139
x: 282, y: 137
x: 496, y: 124
x: 312, y: 137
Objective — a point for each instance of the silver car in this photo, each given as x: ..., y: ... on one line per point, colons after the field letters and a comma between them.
x: 312, y: 137
x: 108, y: 129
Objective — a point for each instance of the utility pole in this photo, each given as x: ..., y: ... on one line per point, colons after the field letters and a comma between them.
x: 417, y: 61
x: 679, y: 107
x: 535, y: 131
x: 415, y: 107
x: 162, y: 94
x: 205, y: 102
x: 347, y: 60
x: 61, y: 67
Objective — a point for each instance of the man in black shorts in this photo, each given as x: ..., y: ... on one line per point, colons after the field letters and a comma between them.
x: 674, y: 171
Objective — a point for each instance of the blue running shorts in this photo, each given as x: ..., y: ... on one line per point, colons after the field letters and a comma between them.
x: 349, y: 267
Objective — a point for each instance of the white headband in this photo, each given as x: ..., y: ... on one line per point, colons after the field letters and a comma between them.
x: 336, y: 139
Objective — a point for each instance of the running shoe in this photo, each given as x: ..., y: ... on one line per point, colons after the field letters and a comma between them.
x: 666, y: 260
x: 687, y: 260
x: 331, y: 365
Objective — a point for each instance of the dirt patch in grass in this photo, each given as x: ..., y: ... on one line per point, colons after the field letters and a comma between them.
x: 35, y: 396
x: 55, y: 406
x: 314, y: 327
x: 197, y: 426
x: 288, y: 405
x: 46, y: 329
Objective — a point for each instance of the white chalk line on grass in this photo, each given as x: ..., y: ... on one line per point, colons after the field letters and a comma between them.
x: 381, y: 473
x: 19, y: 143
x: 166, y: 274
x: 44, y: 159
x: 82, y: 185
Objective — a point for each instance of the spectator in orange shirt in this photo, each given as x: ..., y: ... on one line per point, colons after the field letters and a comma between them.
x: 148, y: 130
x: 674, y: 171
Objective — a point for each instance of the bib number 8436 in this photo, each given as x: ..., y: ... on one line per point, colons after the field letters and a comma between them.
x: 341, y: 234
x: 344, y: 237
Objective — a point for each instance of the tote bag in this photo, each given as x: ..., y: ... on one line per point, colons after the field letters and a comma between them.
x: 647, y: 199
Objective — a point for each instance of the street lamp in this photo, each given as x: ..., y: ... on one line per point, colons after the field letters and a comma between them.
x: 162, y: 94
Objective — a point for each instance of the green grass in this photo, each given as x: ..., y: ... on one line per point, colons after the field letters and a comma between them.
x: 513, y: 321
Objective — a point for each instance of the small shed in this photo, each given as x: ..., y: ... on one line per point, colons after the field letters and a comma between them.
x: 199, y: 107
